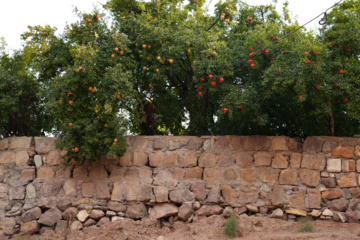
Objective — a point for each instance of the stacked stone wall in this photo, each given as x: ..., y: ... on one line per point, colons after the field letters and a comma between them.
x: 166, y: 178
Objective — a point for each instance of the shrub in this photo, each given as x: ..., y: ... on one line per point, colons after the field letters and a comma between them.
x: 230, y: 227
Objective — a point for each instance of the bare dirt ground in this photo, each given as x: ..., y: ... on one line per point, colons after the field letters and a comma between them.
x: 211, y: 228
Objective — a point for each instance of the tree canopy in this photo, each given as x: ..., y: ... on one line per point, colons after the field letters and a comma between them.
x: 174, y: 66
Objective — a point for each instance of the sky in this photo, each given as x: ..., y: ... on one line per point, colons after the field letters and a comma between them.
x: 16, y: 15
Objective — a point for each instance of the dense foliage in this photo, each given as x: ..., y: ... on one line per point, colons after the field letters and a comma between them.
x: 162, y: 66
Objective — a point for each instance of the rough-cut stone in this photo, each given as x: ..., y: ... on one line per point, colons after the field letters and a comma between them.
x: 21, y: 159
x: 230, y: 174
x: 165, y: 178
x: 332, y: 194
x: 279, y: 144
x: 207, y: 210
x: 53, y: 158
x: 104, y: 221
x: 126, y: 160
x: 187, y: 159
x: 314, y: 197
x: 352, y: 216
x: 199, y: 191
x: 207, y: 159
x: 89, y: 222
x: 117, y: 173
x: 171, y: 159
x: 315, y: 213
x: 194, y: 173
x: 27, y: 174
x: 312, y: 144
x: 236, y: 143
x: 225, y: 161
x: 63, y: 173
x: 70, y: 213
x: 97, y: 171
x: 269, y: 175
x: 44, y: 145
x: 38, y: 161
x: 136, y: 211
x: 252, y: 208
x: 102, y: 190
x: 180, y: 195
x: 333, y: 165
x: 80, y: 173
x: 64, y: 204
x: 249, y: 175
x: 328, y: 182
x: 76, y: 226
x: 310, y: 178
x: 70, y: 188
x: 82, y: 215
x: 256, y: 143
x: 96, y: 214
x: 160, y: 143
x: 345, y: 151
x: 277, y: 213
x: 221, y: 145
x: 296, y: 212
x: 265, y: 198
x: 298, y: 200
x: 229, y: 194
x: 30, y: 191
x: 20, y: 142
x: 161, y: 194
x: 295, y: 160
x: 17, y: 193
x: 118, y: 192
x: 313, y: 161
x: 32, y: 214
x: 212, y: 175
x: 50, y: 217
x: 357, y: 150
x: 262, y: 159
x: 87, y: 190
x: 327, y: 213
x: 214, y: 195
x: 7, y: 224
x: 140, y: 159
x: 277, y: 195
x: 248, y: 197
x: 115, y: 206
x: 288, y: 177
x: 185, y: 211
x: 348, y: 165
x: 45, y: 172
x: 4, y: 144
x: 348, y: 180
x: 30, y: 227
x: 156, y: 159
x: 243, y: 159
x: 339, y: 204
x: 163, y: 210
x: 280, y: 161
x: 7, y: 157
x: 140, y: 142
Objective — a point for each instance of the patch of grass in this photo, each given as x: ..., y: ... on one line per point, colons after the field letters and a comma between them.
x: 306, y: 226
x: 230, y: 227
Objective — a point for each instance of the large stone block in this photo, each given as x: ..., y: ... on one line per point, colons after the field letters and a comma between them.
x: 185, y: 211
x: 256, y: 143
x: 165, y: 178
x: 312, y: 144
x: 357, y: 150
x: 161, y: 143
x: 345, y: 151
x: 140, y: 159
x: 156, y: 159
x: 295, y: 160
x: 50, y: 217
x: 199, y: 191
x: 214, y: 195
x: 339, y: 205
x: 230, y: 174
x: 243, y: 159
x: 277, y: 195
x: 248, y: 197
x: 280, y: 161
x: 314, y: 197
x: 298, y: 200
x: 20, y: 142
x: 135, y: 191
x: 7, y: 224
x: 137, y: 211
x: 32, y: 214
x: 207, y: 159
x: 87, y: 190
x: 171, y: 159
x: 187, y: 159
x: 262, y: 159
x: 194, y: 173
x: 53, y: 158
x: 328, y: 182
x: 269, y: 175
x: 140, y: 142
x: 98, y: 171
x: 161, y: 194
x: 194, y: 143
x: 17, y: 193
x: 80, y: 173
x: 221, y: 145
x: 279, y: 144
x: 180, y: 195
x: 27, y: 174
x: 21, y: 159
x: 126, y: 160
x: 332, y: 194
x: 225, y: 161
x: 102, y: 190
x: 333, y: 165
x: 70, y: 188
x: 348, y: 180
x: 4, y: 144
x: 163, y: 210
x: 348, y: 165
x: 313, y: 161
x: 208, y: 210
x: 7, y: 157
x: 212, y: 175
x: 45, y: 172
x: 229, y: 194
x: 310, y: 178
x: 45, y: 145
x: 30, y: 227
x: 247, y: 174
x: 118, y: 192
x: 236, y: 143
x: 63, y: 173
x: 288, y: 177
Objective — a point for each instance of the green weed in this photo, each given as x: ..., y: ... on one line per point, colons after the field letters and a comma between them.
x: 230, y: 227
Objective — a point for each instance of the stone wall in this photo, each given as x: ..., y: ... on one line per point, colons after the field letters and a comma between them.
x: 164, y: 178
